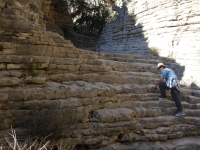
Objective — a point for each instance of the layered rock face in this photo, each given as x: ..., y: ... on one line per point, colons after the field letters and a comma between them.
x: 23, y: 16
x: 88, y: 99
x: 58, y: 20
x: 169, y: 25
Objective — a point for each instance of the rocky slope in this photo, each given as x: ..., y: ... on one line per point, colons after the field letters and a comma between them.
x: 94, y: 100
x: 170, y: 26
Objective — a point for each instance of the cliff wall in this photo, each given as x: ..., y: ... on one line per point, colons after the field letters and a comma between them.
x: 83, y: 99
x: 171, y: 26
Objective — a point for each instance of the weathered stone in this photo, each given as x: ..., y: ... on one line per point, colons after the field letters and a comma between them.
x: 68, y: 67
x: 35, y: 80
x: 9, y: 81
x: 5, y: 45
x: 110, y: 115
x: 15, y: 66
x: 2, y: 66
x: 7, y: 51
x: 110, y: 96
x: 94, y: 68
x: 3, y: 97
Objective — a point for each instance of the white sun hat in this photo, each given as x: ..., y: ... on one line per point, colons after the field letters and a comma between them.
x: 160, y: 65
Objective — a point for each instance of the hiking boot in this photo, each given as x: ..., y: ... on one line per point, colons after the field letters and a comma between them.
x: 179, y: 114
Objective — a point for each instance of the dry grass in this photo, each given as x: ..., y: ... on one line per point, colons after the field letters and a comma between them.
x: 30, y: 144
x: 14, y: 144
x: 49, y: 128
x: 154, y: 51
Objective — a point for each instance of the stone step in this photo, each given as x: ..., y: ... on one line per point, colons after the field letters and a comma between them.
x: 134, y: 67
x: 131, y: 111
x: 9, y: 82
x: 133, y: 60
x: 18, y: 59
x: 196, y: 93
x: 183, y: 97
x: 147, y: 123
x: 193, y: 112
x: 146, y: 109
x: 187, y: 110
x: 18, y: 81
x: 190, y: 106
x: 185, y: 90
x: 78, y: 89
x: 109, y: 77
x: 187, y: 143
x: 161, y: 133
x: 74, y: 102
x: 42, y: 47
x: 167, y: 130
x: 125, y: 56
x: 80, y: 65
x: 192, y: 99
x: 144, y: 129
x: 147, y: 61
x: 151, y: 103
x: 92, y: 64
x: 76, y: 61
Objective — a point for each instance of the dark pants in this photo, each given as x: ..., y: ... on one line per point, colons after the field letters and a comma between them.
x: 174, y: 94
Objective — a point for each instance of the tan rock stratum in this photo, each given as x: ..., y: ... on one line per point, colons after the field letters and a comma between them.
x: 94, y: 100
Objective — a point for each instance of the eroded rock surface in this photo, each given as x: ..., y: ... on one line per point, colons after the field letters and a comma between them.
x: 98, y: 100
x: 170, y: 26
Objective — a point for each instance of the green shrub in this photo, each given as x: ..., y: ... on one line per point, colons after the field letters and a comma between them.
x: 154, y: 51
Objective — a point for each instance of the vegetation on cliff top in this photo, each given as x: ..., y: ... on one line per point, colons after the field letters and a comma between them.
x: 89, y: 17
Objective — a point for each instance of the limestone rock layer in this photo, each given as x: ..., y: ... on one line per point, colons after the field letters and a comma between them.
x: 90, y: 100
x: 171, y: 26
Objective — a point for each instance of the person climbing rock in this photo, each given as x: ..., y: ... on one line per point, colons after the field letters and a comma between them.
x: 169, y: 80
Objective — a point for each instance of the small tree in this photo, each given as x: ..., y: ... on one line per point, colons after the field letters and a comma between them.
x: 90, y: 18
x: 61, y: 5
